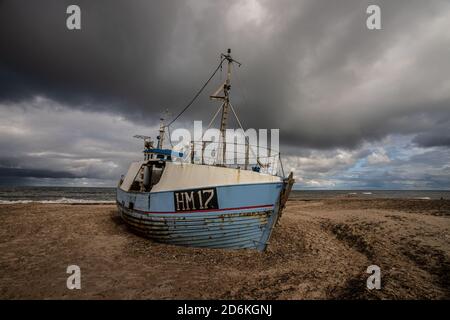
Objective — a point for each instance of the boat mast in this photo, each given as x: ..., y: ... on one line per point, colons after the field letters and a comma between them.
x: 226, y: 100
x: 161, y: 133
x: 226, y: 104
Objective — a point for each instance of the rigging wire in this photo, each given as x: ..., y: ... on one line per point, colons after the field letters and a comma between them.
x: 246, y: 137
x: 242, y: 89
x: 198, y: 93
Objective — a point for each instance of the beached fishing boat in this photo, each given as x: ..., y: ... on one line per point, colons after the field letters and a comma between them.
x: 204, y: 202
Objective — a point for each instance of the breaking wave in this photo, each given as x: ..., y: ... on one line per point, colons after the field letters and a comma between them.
x: 58, y: 201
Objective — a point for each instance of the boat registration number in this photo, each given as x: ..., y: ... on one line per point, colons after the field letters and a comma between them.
x: 196, y: 199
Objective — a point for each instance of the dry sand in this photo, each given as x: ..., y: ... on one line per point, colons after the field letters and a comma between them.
x: 320, y: 250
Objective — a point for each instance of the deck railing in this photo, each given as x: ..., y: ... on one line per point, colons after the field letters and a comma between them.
x: 237, y: 155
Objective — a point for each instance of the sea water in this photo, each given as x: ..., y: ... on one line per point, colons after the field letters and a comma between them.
x: 10, y: 195
x: 371, y: 194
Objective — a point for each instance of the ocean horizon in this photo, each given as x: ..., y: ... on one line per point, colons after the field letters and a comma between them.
x: 57, y: 194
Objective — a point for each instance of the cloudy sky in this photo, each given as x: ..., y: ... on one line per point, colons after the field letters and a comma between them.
x: 356, y: 108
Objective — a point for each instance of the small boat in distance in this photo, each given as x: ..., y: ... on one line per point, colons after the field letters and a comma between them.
x: 207, y: 203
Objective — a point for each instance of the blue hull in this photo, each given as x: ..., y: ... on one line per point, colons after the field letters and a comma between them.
x: 244, y: 218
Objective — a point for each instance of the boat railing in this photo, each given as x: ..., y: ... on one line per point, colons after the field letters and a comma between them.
x: 243, y: 156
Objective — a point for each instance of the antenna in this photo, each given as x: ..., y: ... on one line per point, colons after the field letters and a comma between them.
x: 148, y: 143
x: 138, y: 136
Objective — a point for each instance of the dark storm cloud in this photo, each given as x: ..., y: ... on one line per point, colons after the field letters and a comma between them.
x: 310, y: 68
x: 112, y: 59
x: 355, y: 108
x: 438, y: 137
x: 433, y: 140
x: 20, y: 173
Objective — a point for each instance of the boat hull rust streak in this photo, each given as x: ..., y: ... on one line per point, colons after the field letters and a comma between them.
x: 244, y: 219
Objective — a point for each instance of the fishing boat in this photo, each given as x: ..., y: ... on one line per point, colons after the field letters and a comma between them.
x: 204, y: 203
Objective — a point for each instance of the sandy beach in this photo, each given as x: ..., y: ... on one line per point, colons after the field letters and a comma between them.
x: 320, y: 250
